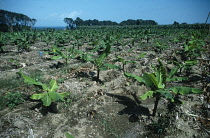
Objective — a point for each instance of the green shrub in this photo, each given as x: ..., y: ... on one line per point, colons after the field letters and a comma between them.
x: 11, y: 100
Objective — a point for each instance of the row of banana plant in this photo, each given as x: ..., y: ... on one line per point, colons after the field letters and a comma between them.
x: 101, y: 41
x: 123, y: 36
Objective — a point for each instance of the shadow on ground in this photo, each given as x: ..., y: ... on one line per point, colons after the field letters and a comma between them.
x: 133, y: 107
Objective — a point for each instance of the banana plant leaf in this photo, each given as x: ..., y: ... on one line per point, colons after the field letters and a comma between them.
x: 185, y: 90
x: 53, y: 86
x: 33, y: 81
x: 112, y: 66
x: 46, y: 100
x: 148, y: 94
x: 166, y: 93
x: 64, y: 94
x: 56, y: 57
x: 177, y: 79
x: 55, y: 96
x: 68, y: 135
x: 150, y: 80
x: 37, y: 96
x: 173, y: 72
x: 129, y: 75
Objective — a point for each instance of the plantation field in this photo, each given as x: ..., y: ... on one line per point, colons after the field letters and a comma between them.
x: 105, y: 82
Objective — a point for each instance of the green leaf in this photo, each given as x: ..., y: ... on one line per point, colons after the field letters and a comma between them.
x: 86, y: 57
x: 68, y: 135
x: 186, y: 48
x: 148, y: 94
x: 30, y: 80
x: 37, y: 96
x: 150, y: 80
x: 161, y: 74
x: 142, y: 55
x: 160, y: 78
x: 120, y: 59
x: 53, y: 85
x: 61, y: 53
x: 185, y: 90
x: 103, y: 68
x: 56, y: 57
x: 45, y: 87
x: 107, y: 50
x: 165, y: 93
x: 191, y: 62
x: 130, y: 62
x: 173, y: 72
x: 177, y: 79
x: 55, y: 96
x: 46, y: 100
x: 129, y: 75
x: 64, y: 94
x: 112, y: 66
x: 100, y: 59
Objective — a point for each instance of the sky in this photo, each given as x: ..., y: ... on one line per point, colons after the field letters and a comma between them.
x: 52, y: 12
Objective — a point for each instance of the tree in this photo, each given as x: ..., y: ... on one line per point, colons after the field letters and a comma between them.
x: 138, y: 22
x: 70, y: 22
x: 79, y: 21
x: 175, y: 23
x: 33, y: 21
x: 10, y: 20
x: 95, y: 22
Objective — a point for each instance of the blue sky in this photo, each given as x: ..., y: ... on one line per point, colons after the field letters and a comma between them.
x: 52, y: 12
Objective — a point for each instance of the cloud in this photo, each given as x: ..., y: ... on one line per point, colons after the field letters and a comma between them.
x: 71, y: 15
x: 54, y: 15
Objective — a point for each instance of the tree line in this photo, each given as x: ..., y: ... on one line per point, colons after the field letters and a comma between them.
x: 79, y: 22
x: 10, y: 21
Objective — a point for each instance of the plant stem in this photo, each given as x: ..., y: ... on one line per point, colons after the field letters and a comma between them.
x: 123, y: 67
x: 156, y: 104
x: 98, y: 70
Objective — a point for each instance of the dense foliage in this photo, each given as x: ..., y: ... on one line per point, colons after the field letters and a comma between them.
x: 79, y: 22
x: 10, y: 21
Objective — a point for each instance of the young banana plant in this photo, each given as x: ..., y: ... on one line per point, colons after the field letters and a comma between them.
x: 69, y: 53
x: 100, y: 62
x: 123, y: 61
x: 49, y: 95
x: 156, y: 81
